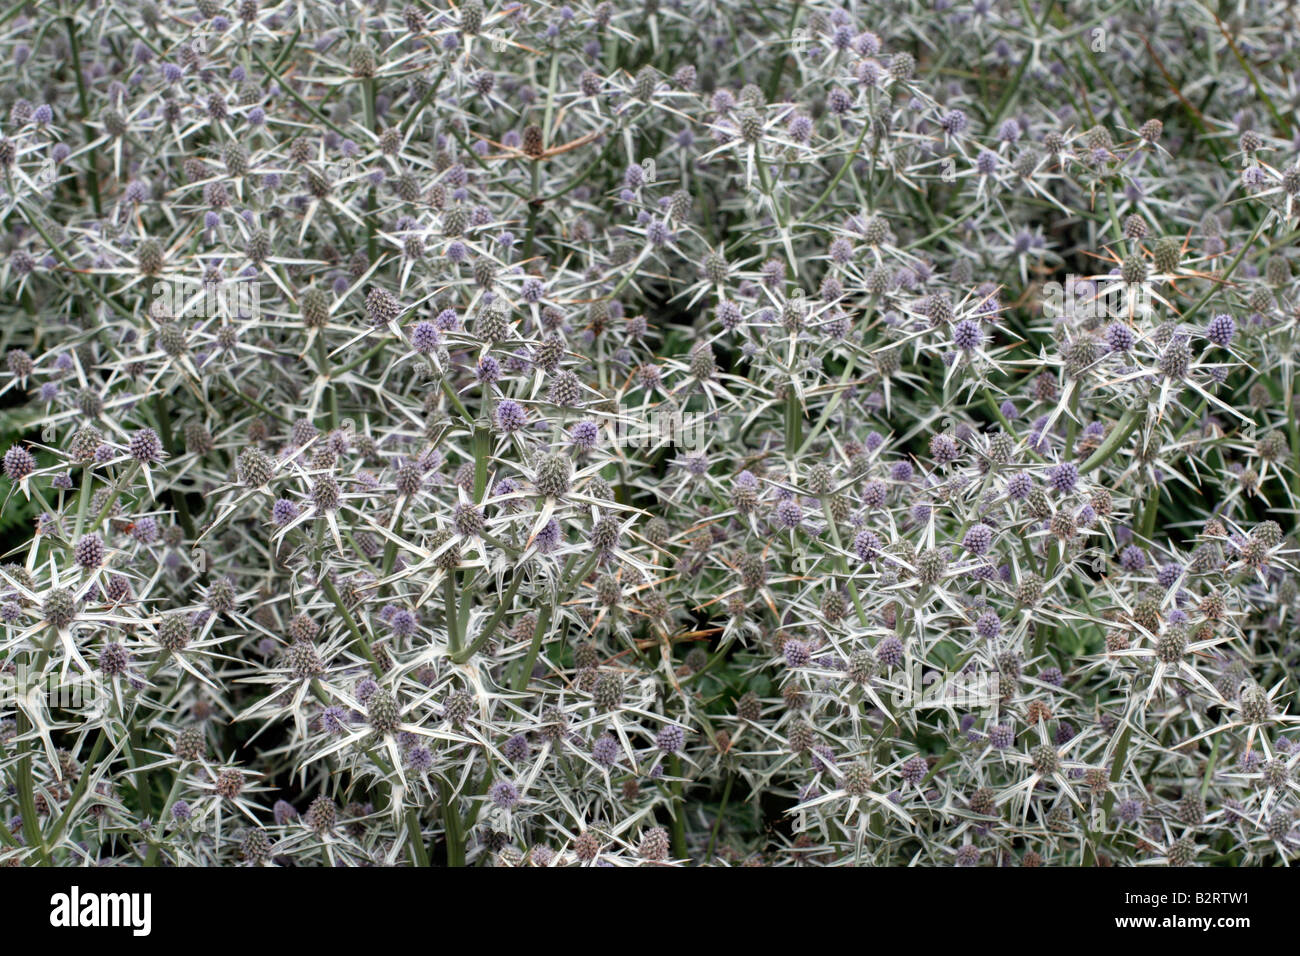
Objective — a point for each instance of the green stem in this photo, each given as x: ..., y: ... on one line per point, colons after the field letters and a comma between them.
x: 793, y: 422
x: 451, y: 824
x: 414, y: 837
x: 1118, y: 435
x: 679, y: 811
x: 98, y: 748
x: 334, y: 596
x: 92, y: 175
x: 451, y: 612
x: 27, y: 794
x: 844, y: 168
x: 526, y: 665
x: 490, y: 628
x: 322, y: 369
x: 717, y: 824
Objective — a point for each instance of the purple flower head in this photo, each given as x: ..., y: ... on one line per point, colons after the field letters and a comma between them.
x: 874, y: 493
x: 670, y: 739
x: 1120, y: 337
x: 504, y: 794
x: 967, y: 335
x: 914, y: 769
x: 953, y: 122
x: 283, y: 511
x: 1130, y: 811
x: 729, y: 315
x: 943, y: 449
x: 890, y: 652
x: 978, y: 539
x: 424, y: 337
x: 511, y: 416
x: 403, y: 623
x: 789, y: 514
x: 420, y: 759
x: 585, y: 434
x: 866, y: 545
x: 1063, y: 477
x: 1019, y: 486
x: 334, y: 720
x: 489, y: 370
x: 605, y: 750
x: 901, y: 471
x: 1132, y: 558
x: 145, y: 446
x: 548, y: 539
x: 796, y: 653
x: 988, y: 625
x: 516, y: 748
x: 1220, y: 330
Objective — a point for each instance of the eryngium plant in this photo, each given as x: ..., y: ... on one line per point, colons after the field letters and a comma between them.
x: 648, y: 434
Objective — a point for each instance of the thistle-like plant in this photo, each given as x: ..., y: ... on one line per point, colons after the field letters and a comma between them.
x: 643, y: 434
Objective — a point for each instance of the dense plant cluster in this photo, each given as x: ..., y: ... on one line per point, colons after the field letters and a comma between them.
x: 514, y: 433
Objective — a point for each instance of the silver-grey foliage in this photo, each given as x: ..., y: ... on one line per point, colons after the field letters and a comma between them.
x: 619, y: 434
